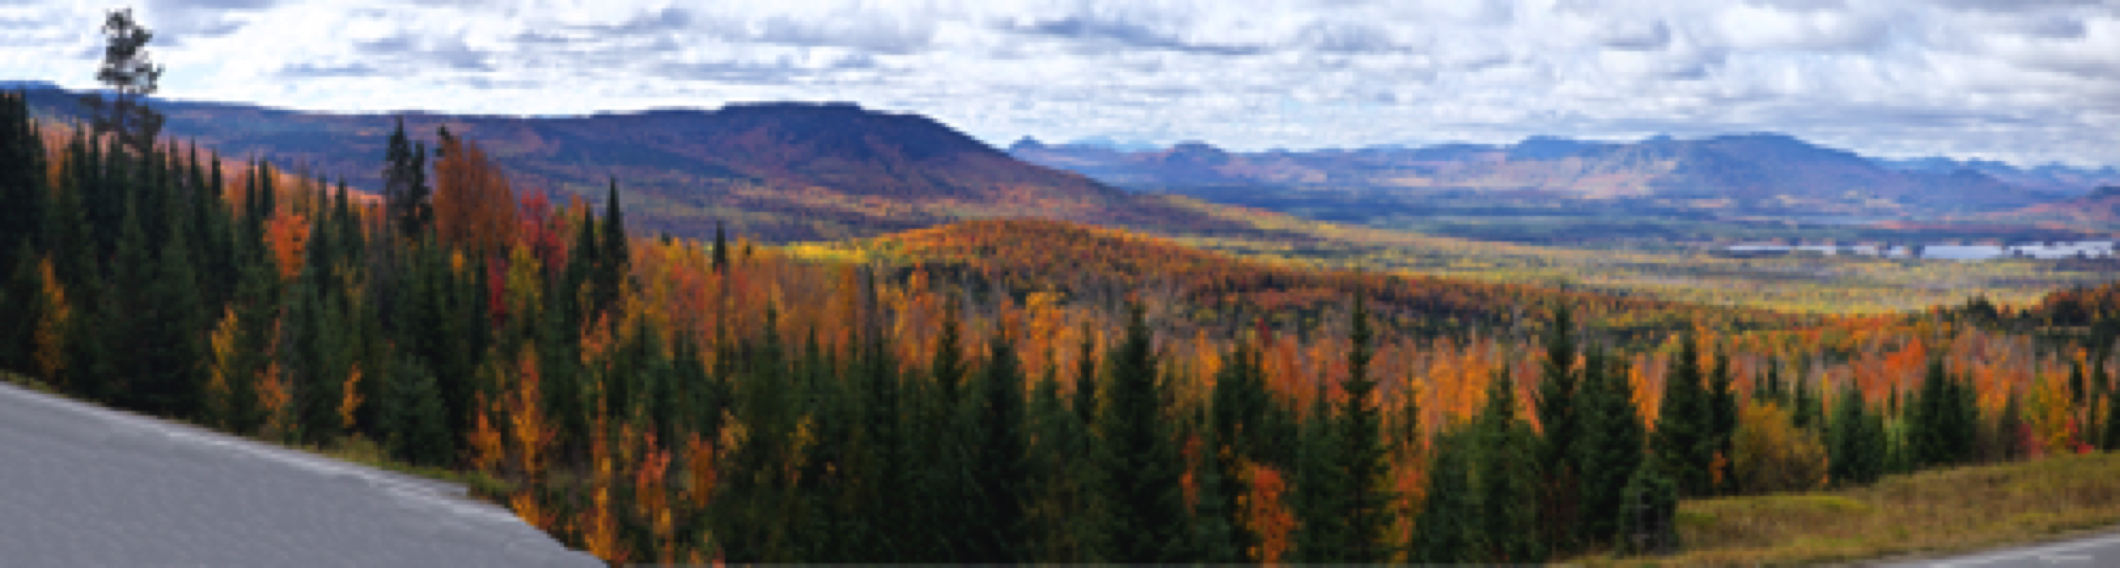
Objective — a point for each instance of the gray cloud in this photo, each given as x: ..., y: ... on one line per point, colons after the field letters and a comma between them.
x: 2026, y: 80
x: 1653, y: 37
x: 1124, y: 34
x: 311, y: 70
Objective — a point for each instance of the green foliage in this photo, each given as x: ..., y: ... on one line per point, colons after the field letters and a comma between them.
x: 413, y: 423
x: 1560, y: 491
x: 1649, y: 510
x: 1508, y: 475
x: 1685, y: 427
x: 1370, y: 505
x: 1000, y: 462
x: 1148, y: 517
x: 1448, y: 528
x: 1609, y: 449
x: 1722, y: 422
x: 1856, y: 444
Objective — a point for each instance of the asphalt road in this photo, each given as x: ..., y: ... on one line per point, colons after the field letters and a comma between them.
x: 2088, y: 552
x: 88, y: 486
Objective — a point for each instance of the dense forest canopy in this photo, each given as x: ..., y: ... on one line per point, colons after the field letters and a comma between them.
x: 992, y: 391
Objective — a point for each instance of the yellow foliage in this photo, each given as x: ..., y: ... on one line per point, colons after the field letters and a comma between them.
x: 1773, y: 455
x: 351, y: 400
x: 51, y: 326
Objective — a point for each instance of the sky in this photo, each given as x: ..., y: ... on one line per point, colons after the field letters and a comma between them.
x: 2022, y: 81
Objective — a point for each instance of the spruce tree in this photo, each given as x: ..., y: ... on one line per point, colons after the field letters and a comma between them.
x: 1684, y: 432
x: 413, y: 422
x: 1323, y: 488
x: 1560, y: 489
x: 1508, y: 478
x: 2010, y: 427
x: 1448, y: 528
x: 1370, y: 502
x: 1722, y: 412
x: 257, y: 308
x: 405, y: 192
x: 19, y: 313
x: 1610, y: 449
x: 1649, y: 510
x: 1237, y: 412
x: 1214, y: 516
x: 1147, y: 510
x: 613, y: 256
x: 1085, y: 400
x: 174, y: 351
x: 1001, y: 478
x: 22, y: 180
x: 1850, y: 460
x: 130, y: 323
x: 721, y: 249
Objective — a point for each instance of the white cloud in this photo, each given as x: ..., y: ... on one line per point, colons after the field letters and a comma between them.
x: 2027, y: 81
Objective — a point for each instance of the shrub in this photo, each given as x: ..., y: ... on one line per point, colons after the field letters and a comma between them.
x: 1773, y: 455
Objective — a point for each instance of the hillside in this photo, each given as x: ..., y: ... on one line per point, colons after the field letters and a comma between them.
x: 1752, y: 173
x: 775, y: 172
x: 2099, y: 209
x: 1219, y: 289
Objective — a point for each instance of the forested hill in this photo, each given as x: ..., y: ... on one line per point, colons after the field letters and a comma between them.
x: 1745, y: 173
x: 775, y: 171
x: 1223, y: 292
x: 672, y: 400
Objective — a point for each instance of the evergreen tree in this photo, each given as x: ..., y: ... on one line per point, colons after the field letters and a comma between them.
x: 257, y: 309
x: 1369, y: 499
x: 130, y: 324
x: 1323, y: 488
x: 1448, y: 528
x: 1214, y: 516
x: 174, y: 352
x: 1560, y: 490
x: 1508, y: 478
x: 614, y: 260
x: 1238, y: 409
x: 1610, y: 449
x: 1684, y: 432
x: 1000, y: 529
x: 1809, y: 410
x: 413, y: 422
x: 1085, y: 402
x: 1147, y: 511
x: 22, y: 180
x: 1856, y: 449
x: 721, y: 249
x: 2010, y: 427
x: 1649, y: 510
x: 1722, y: 412
x: 405, y: 191
x: 19, y: 313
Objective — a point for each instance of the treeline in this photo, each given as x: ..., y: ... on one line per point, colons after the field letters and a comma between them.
x: 652, y: 399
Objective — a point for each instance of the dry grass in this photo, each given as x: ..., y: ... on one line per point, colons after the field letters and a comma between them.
x: 1926, y: 513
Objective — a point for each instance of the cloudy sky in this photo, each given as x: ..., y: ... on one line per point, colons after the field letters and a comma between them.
x: 2026, y: 81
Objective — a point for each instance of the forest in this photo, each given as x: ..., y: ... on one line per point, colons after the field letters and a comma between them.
x: 1004, y: 391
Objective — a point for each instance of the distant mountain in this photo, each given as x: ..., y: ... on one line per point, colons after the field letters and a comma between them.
x: 1771, y: 173
x: 2099, y: 209
x: 2052, y: 177
x: 776, y: 171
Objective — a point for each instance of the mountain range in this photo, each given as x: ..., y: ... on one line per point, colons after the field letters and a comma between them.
x: 1747, y: 173
x: 775, y: 172
x: 781, y: 172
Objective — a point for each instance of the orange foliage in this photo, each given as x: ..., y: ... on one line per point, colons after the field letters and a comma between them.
x: 473, y: 205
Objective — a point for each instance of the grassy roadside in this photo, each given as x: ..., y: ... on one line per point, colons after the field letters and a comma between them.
x: 350, y: 449
x: 1935, y: 512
